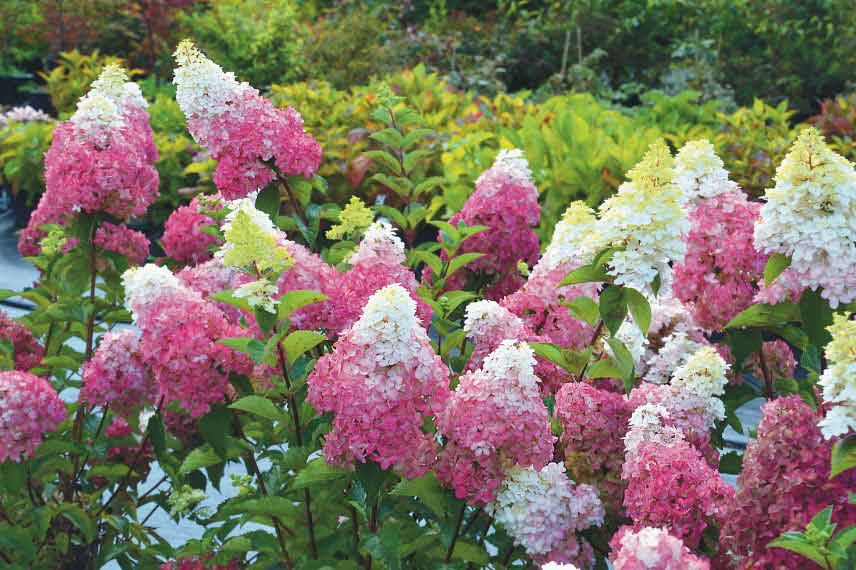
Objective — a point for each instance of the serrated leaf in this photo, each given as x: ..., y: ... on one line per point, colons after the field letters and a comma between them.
x: 259, y: 406
x: 774, y: 267
x: 460, y: 261
x: 763, y: 315
x: 640, y: 309
x: 297, y: 299
x: 317, y: 471
x: 796, y: 542
x: 298, y: 342
x: 585, y: 274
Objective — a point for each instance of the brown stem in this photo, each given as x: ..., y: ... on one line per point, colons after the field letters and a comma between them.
x: 295, y: 205
x: 594, y: 336
x: 452, y: 544
x: 132, y: 465
x: 769, y: 390
x: 472, y: 520
x: 97, y: 434
x: 153, y: 489
x: 507, y: 558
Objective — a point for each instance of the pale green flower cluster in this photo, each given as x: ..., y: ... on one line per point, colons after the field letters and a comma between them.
x: 252, y: 242
x: 838, y: 381
x: 354, y: 218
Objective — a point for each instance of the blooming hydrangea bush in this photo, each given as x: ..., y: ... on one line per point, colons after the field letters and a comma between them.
x: 381, y: 399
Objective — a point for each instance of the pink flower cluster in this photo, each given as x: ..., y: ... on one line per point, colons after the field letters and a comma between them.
x: 671, y: 485
x: 495, y: 420
x: 784, y: 483
x: 241, y: 130
x: 183, y: 238
x: 121, y: 239
x: 376, y: 264
x: 101, y: 160
x: 116, y: 375
x: 26, y: 350
x: 29, y: 407
x: 538, y: 303
x: 179, y: 338
x: 594, y: 422
x: 652, y: 548
x: 310, y: 272
x: 212, y: 277
x: 129, y: 454
x: 381, y: 382
x: 719, y: 275
x: 506, y: 201
x: 488, y: 324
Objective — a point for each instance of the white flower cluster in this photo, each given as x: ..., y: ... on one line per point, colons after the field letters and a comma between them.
x: 514, y: 361
x: 677, y: 349
x: 386, y: 325
x: 557, y: 566
x: 203, y: 89
x: 259, y: 294
x: 25, y: 114
x: 539, y: 508
x: 810, y: 216
x: 143, y: 284
x: 512, y: 164
x: 703, y: 376
x: 379, y: 240
x: 257, y: 217
x: 645, y: 218
x: 101, y: 109
x: 646, y: 425
x: 632, y: 338
x: 700, y: 173
x: 839, y: 379
x: 571, y: 238
x: 484, y: 319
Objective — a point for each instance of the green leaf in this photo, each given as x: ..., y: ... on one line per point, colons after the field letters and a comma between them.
x: 252, y: 347
x: 843, y: 456
x: 271, y: 506
x: 816, y: 316
x: 393, y: 214
x: 215, y: 426
x: 469, y: 552
x: 265, y: 320
x: 428, y: 184
x: 731, y: 463
x: 764, y: 315
x: 200, y: 457
x: 613, y: 308
x: 429, y: 491
x: 297, y: 299
x: 268, y: 200
x: 585, y: 274
x: 774, y: 267
x: 796, y: 542
x: 603, y: 369
x: 431, y: 260
x: 640, y: 309
x: 79, y: 518
x: 389, y: 136
x: 585, y: 309
x: 17, y: 542
x: 298, y: 342
x: 398, y: 184
x: 259, y: 406
x: 411, y: 159
x: 228, y: 297
x: 448, y: 229
x: 385, y: 160
x: 462, y: 260
x: 318, y: 471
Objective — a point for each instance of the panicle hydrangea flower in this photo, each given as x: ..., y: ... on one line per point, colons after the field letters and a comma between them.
x: 179, y: 338
x: 700, y: 173
x: 244, y: 132
x: 541, y: 509
x: 808, y: 216
x: 784, y: 483
x: 29, y: 407
x: 100, y: 160
x: 645, y: 218
x: 381, y: 382
x: 506, y: 201
x: 594, y: 422
x: 487, y: 324
x: 495, y: 420
x: 649, y: 422
x: 183, y: 238
x: 651, y: 548
x: 354, y: 217
x: 26, y: 350
x: 676, y: 350
x: 704, y: 376
x: 310, y: 272
x: 116, y: 375
x: 134, y: 245
x: 377, y: 263
x: 538, y: 302
x: 778, y: 357
x: 672, y: 485
x: 719, y: 275
x: 24, y: 114
x: 786, y: 287
x: 211, y: 277
x: 252, y: 240
x: 838, y: 381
